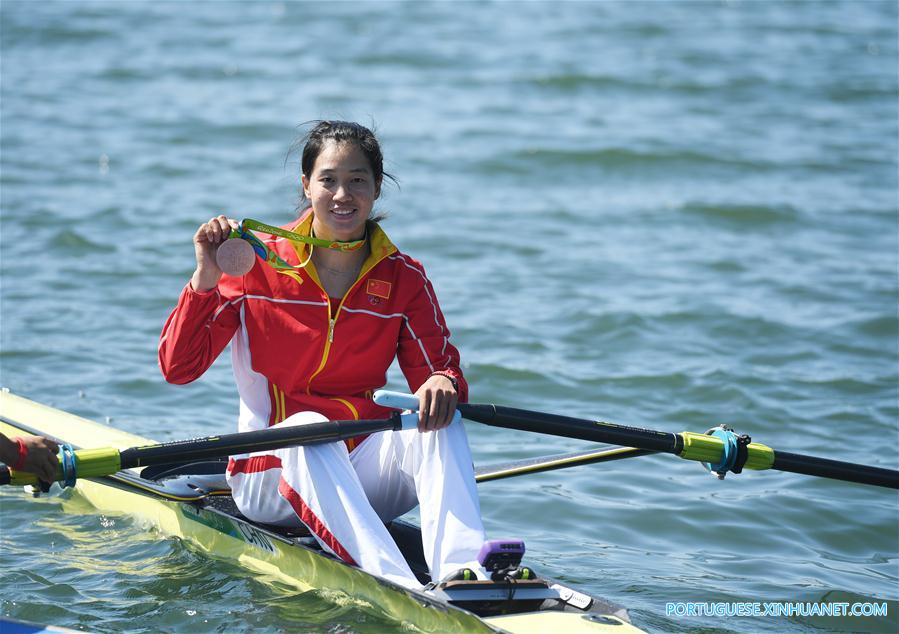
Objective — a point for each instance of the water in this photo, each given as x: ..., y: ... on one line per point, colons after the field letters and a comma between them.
x: 667, y: 215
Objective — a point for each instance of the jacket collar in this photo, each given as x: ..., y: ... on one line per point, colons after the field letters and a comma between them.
x: 380, y: 245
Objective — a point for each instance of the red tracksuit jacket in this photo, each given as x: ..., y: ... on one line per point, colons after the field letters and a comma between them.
x: 291, y: 351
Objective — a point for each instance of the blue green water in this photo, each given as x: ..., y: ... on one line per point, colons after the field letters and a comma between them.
x: 667, y: 215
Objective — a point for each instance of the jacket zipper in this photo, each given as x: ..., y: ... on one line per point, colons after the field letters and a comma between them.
x: 332, y: 321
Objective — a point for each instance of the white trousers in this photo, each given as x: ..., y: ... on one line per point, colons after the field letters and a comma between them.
x: 345, y: 498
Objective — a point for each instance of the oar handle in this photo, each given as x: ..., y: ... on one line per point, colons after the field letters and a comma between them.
x: 396, y: 400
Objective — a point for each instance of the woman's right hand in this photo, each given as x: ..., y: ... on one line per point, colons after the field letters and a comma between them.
x: 206, y: 241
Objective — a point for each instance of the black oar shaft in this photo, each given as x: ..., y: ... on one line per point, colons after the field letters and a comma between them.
x: 249, y: 441
x: 825, y: 468
x: 556, y: 425
x: 108, y: 460
x: 760, y: 456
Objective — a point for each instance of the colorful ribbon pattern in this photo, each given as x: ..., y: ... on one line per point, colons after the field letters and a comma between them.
x: 248, y: 225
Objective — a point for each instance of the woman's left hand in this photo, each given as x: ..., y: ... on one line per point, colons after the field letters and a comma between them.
x: 437, y: 401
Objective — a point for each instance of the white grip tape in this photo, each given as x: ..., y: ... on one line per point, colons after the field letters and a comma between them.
x: 410, y: 420
x: 396, y: 400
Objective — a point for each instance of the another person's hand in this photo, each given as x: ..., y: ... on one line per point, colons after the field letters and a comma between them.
x: 40, y: 456
x: 206, y: 240
x: 437, y: 401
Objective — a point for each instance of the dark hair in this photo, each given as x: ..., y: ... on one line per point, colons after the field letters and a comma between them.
x: 341, y: 132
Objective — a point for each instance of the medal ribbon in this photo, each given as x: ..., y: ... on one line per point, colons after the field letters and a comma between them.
x: 254, y: 225
x: 248, y: 225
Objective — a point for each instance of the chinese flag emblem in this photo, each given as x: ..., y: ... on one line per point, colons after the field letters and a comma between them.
x: 378, y: 288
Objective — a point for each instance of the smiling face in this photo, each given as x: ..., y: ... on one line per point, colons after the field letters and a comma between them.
x: 342, y: 189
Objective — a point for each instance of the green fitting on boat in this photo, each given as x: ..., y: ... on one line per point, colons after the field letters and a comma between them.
x: 20, y: 478
x: 705, y: 448
x: 760, y: 457
x: 701, y: 447
x: 91, y: 463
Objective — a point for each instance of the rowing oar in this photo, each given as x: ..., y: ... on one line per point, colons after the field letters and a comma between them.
x: 723, y: 451
x: 93, y: 463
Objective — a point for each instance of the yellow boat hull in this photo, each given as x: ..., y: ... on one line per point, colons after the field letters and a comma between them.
x: 267, y: 553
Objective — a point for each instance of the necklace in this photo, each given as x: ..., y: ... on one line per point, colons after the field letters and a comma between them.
x: 348, y: 273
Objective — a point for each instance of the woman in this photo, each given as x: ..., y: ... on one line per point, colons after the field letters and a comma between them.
x: 312, y: 345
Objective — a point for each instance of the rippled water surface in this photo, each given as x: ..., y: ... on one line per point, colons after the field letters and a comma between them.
x: 667, y: 215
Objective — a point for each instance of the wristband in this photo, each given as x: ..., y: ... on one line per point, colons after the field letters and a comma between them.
x: 447, y: 375
x: 23, y: 455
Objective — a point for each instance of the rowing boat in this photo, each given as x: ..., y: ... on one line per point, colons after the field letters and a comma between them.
x: 192, y: 503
